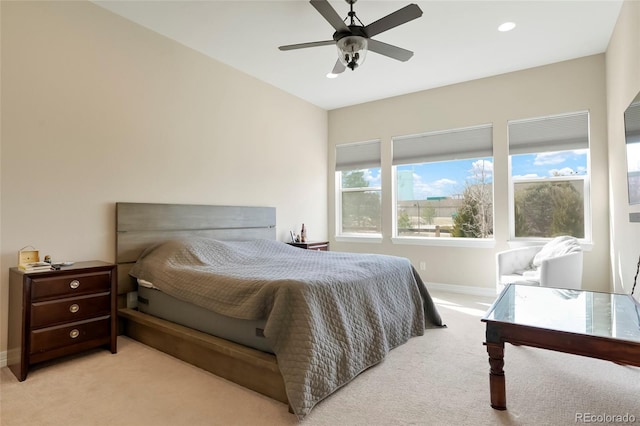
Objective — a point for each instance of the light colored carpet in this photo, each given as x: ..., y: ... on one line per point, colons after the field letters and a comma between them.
x: 440, y: 378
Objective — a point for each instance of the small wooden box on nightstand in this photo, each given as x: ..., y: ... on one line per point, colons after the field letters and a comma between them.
x: 313, y: 245
x: 60, y: 312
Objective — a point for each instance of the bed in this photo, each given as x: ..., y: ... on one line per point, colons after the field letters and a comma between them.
x: 324, y: 315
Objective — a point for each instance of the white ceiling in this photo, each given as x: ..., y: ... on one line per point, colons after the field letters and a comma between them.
x: 453, y: 41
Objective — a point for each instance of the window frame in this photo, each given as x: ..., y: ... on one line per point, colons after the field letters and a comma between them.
x: 339, y: 191
x: 488, y: 242
x: 368, y: 163
x: 586, y: 241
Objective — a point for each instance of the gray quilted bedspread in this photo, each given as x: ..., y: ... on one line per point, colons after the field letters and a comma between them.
x: 329, y: 315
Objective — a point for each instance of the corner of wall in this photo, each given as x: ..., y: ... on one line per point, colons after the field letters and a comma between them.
x: 622, y: 85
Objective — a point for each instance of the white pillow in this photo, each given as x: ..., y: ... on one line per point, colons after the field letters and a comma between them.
x: 559, y: 246
x: 532, y: 275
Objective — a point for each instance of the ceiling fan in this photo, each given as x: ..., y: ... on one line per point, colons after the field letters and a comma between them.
x: 354, y: 40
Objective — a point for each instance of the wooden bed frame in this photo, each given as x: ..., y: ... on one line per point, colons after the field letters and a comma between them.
x: 140, y: 225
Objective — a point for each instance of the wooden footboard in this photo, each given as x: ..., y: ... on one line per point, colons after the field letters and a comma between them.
x: 247, y: 367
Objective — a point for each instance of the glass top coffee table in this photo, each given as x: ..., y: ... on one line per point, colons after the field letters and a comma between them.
x: 593, y: 324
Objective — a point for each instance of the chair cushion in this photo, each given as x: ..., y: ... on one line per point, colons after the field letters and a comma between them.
x: 559, y: 246
x: 518, y: 279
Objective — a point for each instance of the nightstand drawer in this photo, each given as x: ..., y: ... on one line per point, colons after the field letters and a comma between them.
x: 318, y: 246
x: 70, y: 285
x: 50, y: 338
x: 72, y: 309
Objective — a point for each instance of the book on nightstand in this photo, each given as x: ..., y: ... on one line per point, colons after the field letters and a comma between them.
x: 35, y: 266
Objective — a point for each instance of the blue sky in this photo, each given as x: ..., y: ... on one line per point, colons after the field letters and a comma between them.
x: 447, y: 178
x: 546, y: 164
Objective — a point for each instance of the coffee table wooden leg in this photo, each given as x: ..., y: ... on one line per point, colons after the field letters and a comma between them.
x: 496, y: 376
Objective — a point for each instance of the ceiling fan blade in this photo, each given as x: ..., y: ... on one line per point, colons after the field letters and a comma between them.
x: 304, y: 45
x: 338, y: 68
x: 399, y: 17
x: 390, y: 50
x: 330, y: 14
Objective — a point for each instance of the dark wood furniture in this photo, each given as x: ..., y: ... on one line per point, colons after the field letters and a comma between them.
x: 139, y: 225
x: 60, y: 312
x: 312, y: 245
x: 593, y: 324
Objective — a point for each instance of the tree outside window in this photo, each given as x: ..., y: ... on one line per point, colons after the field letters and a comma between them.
x: 361, y: 201
x: 550, y: 176
x: 549, y: 209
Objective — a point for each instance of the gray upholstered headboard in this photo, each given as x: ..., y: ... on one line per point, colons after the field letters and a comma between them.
x: 140, y: 225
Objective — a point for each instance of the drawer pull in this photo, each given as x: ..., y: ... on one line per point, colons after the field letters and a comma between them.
x: 74, y: 333
x: 74, y: 308
x: 74, y: 284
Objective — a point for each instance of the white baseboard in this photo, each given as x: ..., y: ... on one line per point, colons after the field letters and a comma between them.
x: 3, y: 359
x: 463, y: 289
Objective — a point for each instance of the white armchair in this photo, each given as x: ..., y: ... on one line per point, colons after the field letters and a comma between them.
x: 555, y: 264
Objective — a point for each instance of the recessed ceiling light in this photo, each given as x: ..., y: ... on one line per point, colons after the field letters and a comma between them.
x: 507, y: 26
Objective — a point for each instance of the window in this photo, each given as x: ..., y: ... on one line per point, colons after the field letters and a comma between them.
x: 444, y: 183
x: 549, y: 189
x: 359, y: 195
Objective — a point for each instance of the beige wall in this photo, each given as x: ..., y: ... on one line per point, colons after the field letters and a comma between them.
x: 623, y: 84
x: 3, y: 304
x: 564, y: 87
x: 96, y: 109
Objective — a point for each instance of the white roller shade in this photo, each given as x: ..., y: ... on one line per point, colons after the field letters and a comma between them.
x: 557, y: 133
x: 458, y: 144
x: 357, y: 156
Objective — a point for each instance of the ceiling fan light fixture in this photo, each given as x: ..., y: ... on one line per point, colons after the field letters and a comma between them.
x: 352, y: 50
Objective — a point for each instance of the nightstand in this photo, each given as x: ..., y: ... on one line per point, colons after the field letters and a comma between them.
x: 60, y: 312
x: 312, y: 245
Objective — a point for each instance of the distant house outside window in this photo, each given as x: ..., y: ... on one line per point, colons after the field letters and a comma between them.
x: 549, y: 177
